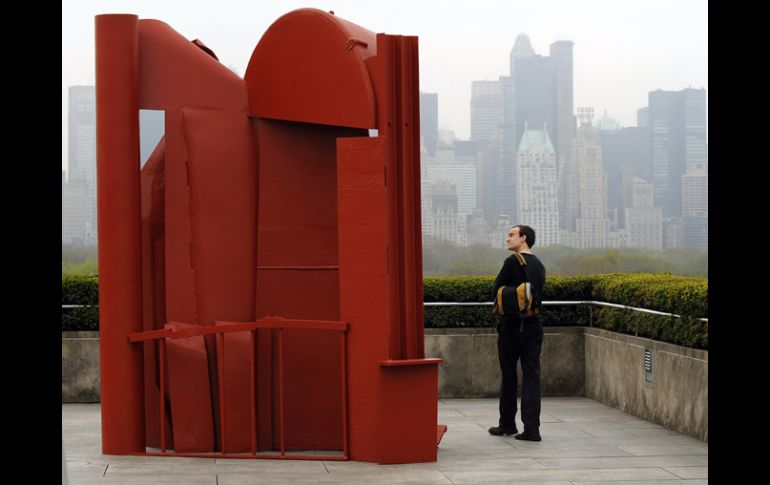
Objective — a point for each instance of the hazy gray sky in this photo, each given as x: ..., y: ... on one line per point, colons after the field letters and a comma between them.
x: 623, y: 48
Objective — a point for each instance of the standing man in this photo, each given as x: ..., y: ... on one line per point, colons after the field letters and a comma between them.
x: 519, y: 337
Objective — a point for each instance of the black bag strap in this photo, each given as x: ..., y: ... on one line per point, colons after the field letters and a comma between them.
x: 523, y: 264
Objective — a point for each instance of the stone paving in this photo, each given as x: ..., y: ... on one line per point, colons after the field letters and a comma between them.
x: 584, y: 443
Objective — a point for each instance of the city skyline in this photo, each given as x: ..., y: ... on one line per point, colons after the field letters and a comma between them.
x: 622, y: 51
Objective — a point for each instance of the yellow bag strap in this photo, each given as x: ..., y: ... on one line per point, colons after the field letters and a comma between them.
x: 500, y: 299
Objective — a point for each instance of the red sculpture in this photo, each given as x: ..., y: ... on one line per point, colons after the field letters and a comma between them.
x: 261, y: 276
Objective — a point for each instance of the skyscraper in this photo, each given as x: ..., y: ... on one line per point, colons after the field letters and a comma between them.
x: 561, y: 54
x: 564, y: 115
x: 461, y: 177
x: 542, y: 93
x: 486, y: 121
x: 538, y: 90
x: 478, y: 229
x: 537, y: 199
x: 486, y: 111
x: 643, y: 221
x: 678, y: 141
x: 74, y: 213
x: 82, y: 155
x: 444, y: 216
x: 605, y: 123
x: 695, y: 210
x: 624, y: 148
x: 429, y: 121
x: 456, y: 169
x: 592, y: 225
x: 425, y: 199
x: 643, y: 117
x: 535, y: 94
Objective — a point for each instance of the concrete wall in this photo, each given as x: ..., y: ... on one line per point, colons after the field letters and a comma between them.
x: 80, y: 367
x: 471, y: 367
x: 676, y: 397
x: 576, y: 361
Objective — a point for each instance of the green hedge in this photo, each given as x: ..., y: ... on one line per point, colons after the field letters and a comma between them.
x: 82, y: 289
x: 686, y: 296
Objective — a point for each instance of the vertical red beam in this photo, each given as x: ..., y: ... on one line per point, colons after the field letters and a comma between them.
x: 343, y: 386
x: 221, y: 356
x: 418, y: 331
x: 405, y: 137
x: 409, y: 157
x: 119, y: 212
x: 399, y: 115
x: 162, y: 367
x: 252, y: 394
x: 388, y: 129
x: 280, y: 390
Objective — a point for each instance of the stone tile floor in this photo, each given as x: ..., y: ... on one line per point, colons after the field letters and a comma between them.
x: 584, y: 443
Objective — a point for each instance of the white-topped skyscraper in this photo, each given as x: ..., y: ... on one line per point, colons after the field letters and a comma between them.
x: 538, y: 91
x: 537, y: 200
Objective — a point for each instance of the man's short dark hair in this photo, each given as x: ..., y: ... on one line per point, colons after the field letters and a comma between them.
x: 527, y: 231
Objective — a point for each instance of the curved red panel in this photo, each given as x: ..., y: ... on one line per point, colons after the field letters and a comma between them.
x: 309, y: 66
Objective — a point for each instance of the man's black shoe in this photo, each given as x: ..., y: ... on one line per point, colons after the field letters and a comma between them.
x: 527, y: 436
x: 498, y: 431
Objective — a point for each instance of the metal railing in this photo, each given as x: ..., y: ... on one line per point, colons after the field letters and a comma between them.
x: 567, y: 302
x: 274, y: 323
x: 545, y: 303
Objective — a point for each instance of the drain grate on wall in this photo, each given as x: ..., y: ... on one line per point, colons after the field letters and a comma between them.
x: 648, y: 365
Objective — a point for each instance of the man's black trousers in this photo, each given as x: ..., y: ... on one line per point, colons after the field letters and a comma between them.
x: 516, y: 341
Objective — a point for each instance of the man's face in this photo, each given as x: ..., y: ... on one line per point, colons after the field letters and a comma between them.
x: 514, y: 240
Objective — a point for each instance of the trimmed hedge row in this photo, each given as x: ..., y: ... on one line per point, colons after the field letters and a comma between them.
x: 685, y: 296
x: 81, y: 289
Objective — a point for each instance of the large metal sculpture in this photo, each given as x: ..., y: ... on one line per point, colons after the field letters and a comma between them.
x: 261, y: 275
